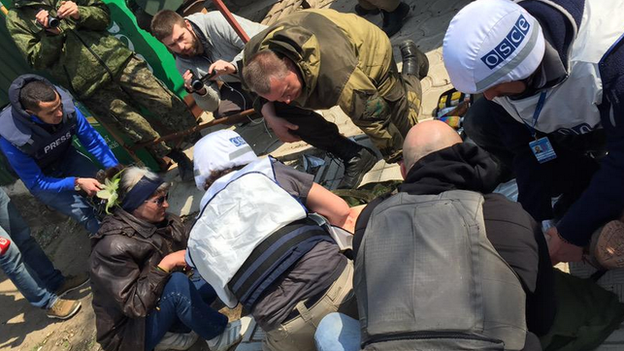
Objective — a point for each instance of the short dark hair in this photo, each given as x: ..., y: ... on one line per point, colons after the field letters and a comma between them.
x: 261, y: 67
x: 36, y: 92
x: 163, y: 22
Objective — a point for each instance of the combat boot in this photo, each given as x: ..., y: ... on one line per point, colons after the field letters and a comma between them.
x: 415, y: 62
x: 185, y: 165
x: 393, y: 21
x: 363, y: 12
x: 356, y: 168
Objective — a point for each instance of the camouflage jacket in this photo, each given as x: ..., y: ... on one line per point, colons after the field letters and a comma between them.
x: 341, y: 57
x: 82, y: 57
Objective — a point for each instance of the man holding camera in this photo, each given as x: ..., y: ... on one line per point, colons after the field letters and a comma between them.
x: 36, y: 133
x: 205, y: 44
x: 69, y: 40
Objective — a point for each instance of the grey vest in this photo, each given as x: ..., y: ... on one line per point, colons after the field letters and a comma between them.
x: 427, y: 278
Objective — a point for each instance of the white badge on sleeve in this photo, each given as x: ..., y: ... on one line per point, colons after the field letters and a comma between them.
x: 543, y: 150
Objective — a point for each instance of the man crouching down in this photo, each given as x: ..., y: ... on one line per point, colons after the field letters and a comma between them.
x: 256, y: 241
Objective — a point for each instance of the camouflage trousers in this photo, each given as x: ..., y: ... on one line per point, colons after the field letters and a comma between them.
x: 387, y: 114
x: 119, y: 101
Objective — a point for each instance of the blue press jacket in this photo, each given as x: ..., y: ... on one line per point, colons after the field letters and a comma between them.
x: 26, y: 167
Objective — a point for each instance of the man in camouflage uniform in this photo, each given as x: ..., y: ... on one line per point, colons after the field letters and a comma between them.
x: 100, y: 70
x: 358, y: 73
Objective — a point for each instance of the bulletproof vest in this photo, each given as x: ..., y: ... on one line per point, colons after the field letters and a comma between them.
x: 427, y: 278
x: 250, y: 232
x: 273, y: 257
x: 571, y: 107
x: 46, y: 147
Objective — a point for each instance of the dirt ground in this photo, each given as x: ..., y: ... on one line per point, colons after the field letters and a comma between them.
x: 26, y: 328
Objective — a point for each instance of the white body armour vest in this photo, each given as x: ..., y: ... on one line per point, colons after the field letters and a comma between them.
x: 572, y: 106
x: 238, y: 212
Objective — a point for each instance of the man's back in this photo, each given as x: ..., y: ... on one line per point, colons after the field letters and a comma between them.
x: 443, y: 266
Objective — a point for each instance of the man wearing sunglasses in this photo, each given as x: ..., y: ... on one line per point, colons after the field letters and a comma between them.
x: 37, y: 130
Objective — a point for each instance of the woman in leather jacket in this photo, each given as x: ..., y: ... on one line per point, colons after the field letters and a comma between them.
x: 140, y: 290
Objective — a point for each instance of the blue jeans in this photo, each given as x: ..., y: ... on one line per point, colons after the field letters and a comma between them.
x: 24, y: 262
x: 338, y: 332
x: 184, y: 306
x: 70, y: 203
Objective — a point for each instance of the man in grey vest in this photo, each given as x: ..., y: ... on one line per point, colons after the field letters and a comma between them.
x: 443, y: 214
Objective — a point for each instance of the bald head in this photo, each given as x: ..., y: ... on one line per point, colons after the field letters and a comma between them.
x: 425, y: 138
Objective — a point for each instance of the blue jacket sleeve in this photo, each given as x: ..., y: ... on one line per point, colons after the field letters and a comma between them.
x: 30, y: 173
x: 93, y: 142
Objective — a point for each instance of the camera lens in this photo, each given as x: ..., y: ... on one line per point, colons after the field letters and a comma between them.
x: 53, y: 22
x: 197, y: 84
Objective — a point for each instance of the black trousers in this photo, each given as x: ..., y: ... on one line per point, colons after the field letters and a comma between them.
x: 313, y: 128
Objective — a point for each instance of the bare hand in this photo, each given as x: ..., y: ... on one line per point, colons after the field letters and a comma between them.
x: 282, y: 129
x: 68, y: 9
x: 220, y: 68
x: 188, y: 76
x: 43, y: 17
x: 173, y: 260
x: 89, y: 185
x: 561, y: 251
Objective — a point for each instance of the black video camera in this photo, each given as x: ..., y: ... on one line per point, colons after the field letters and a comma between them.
x: 198, y: 83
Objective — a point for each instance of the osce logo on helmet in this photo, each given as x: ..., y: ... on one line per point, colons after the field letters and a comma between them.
x: 238, y: 141
x: 507, y: 47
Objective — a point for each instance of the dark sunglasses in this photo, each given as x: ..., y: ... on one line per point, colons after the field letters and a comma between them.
x: 159, y: 201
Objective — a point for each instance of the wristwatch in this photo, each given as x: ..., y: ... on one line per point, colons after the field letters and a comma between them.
x: 76, y: 186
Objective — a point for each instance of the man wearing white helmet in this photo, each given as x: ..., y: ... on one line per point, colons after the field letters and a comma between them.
x: 551, y: 74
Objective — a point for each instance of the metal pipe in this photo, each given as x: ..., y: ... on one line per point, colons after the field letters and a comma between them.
x: 179, y: 135
x: 233, y: 22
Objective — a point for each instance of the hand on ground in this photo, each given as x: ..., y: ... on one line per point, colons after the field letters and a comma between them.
x: 561, y: 251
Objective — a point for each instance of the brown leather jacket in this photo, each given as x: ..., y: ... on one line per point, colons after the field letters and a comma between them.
x: 125, y: 282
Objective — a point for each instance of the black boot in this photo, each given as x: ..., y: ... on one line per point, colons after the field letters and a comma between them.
x: 415, y: 62
x: 363, y: 12
x: 393, y: 21
x: 185, y: 165
x: 356, y: 168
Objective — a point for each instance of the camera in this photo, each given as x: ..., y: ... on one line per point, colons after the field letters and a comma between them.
x: 53, y: 22
x: 196, y: 83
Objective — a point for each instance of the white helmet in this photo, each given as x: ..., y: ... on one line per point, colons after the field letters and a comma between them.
x: 490, y: 42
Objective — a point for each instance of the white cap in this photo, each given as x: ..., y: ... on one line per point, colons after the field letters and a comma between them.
x: 490, y: 42
x: 218, y: 151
